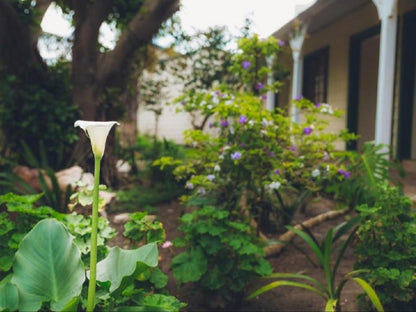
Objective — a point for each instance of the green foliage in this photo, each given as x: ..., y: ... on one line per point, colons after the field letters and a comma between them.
x: 155, y: 185
x: 251, y: 64
x: 221, y: 254
x: 48, y: 272
x: 53, y: 196
x: 22, y: 215
x: 30, y: 114
x: 386, y: 248
x: 330, y: 292
x: 142, y: 227
x: 47, y: 267
x: 368, y: 169
x: 257, y: 156
x: 84, y: 195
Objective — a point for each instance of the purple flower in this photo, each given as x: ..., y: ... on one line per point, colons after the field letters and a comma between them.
x: 264, y: 97
x: 242, y: 144
x: 276, y: 171
x: 292, y: 148
x: 243, y: 119
x: 211, y: 124
x: 201, y: 191
x: 298, y: 97
x: 224, y: 123
x: 210, y: 177
x: 346, y: 174
x: 236, y: 155
x: 307, y: 130
x: 189, y: 185
x: 326, y: 156
x: 246, y: 64
x: 260, y: 86
x: 319, y: 104
x: 282, y: 43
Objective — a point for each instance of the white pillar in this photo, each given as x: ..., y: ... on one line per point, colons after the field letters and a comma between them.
x: 296, y: 43
x: 270, y: 80
x: 387, y: 12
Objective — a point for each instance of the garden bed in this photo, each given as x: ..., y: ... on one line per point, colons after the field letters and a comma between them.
x: 289, y: 260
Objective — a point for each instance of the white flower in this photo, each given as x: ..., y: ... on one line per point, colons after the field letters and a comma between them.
x: 211, y: 177
x: 326, y: 108
x: 315, y: 173
x: 189, y: 185
x: 265, y: 122
x: 274, y: 185
x: 217, y: 168
x: 97, y: 131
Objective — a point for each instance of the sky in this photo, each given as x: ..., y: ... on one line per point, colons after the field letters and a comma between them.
x: 267, y: 16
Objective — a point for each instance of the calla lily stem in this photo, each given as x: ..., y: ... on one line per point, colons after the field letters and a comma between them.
x: 93, y: 255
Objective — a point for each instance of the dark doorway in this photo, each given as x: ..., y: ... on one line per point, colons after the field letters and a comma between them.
x: 362, y: 85
x: 406, y: 145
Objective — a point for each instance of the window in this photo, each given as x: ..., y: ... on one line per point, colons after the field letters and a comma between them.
x: 315, y: 76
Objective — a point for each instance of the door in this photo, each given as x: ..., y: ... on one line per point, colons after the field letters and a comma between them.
x: 362, y: 89
x: 406, y: 141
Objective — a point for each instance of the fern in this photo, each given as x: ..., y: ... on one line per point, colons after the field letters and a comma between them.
x: 368, y: 170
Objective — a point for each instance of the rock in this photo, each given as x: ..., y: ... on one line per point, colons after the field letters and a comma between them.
x: 123, y: 167
x: 121, y: 218
x: 71, y: 176
x: 31, y: 177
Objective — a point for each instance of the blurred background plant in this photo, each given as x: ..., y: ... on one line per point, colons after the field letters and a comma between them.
x: 385, y: 248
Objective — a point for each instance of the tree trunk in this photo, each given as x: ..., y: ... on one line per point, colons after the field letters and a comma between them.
x: 94, y: 74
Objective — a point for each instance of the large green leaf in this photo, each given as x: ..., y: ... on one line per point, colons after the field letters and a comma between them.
x: 189, y: 266
x: 121, y: 263
x: 48, y: 267
x: 9, y: 297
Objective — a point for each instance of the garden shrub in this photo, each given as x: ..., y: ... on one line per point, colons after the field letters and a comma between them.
x: 386, y: 248
x: 255, y: 166
x: 144, y: 228
x: 222, y: 254
x: 368, y: 169
x: 38, y: 114
x: 257, y: 160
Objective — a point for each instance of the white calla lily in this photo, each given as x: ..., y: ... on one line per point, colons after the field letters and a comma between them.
x: 97, y: 131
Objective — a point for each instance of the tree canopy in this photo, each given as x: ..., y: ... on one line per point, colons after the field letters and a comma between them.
x: 99, y: 82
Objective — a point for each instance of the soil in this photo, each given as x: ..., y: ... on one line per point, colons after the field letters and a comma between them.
x: 290, y: 260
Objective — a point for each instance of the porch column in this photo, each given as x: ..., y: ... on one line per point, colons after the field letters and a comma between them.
x: 387, y: 12
x: 296, y: 43
x: 270, y: 93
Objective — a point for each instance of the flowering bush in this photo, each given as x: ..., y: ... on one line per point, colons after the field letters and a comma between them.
x: 253, y: 165
x: 260, y: 154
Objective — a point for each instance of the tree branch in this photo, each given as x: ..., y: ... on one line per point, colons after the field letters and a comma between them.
x: 17, y: 51
x: 139, y: 32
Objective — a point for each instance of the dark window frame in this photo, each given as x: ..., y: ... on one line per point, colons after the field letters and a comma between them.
x: 316, y: 65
